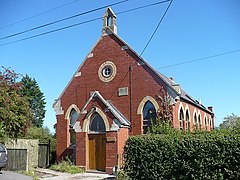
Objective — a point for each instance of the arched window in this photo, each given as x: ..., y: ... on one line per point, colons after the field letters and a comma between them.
x: 199, y: 122
x: 149, y: 116
x: 97, y: 124
x: 210, y: 122
x: 187, y: 120
x: 181, y: 119
x: 206, y: 125
x: 195, y: 121
x: 73, y: 118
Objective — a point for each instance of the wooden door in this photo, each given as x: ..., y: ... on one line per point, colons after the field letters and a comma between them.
x: 97, y: 152
x: 92, y: 152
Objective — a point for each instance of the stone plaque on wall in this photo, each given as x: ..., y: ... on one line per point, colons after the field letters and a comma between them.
x: 123, y: 91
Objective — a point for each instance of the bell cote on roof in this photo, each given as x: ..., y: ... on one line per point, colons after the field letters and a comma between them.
x: 109, y: 22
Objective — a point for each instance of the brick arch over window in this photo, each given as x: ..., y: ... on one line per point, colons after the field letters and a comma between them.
x: 73, y: 110
x: 179, y: 110
x: 143, y: 102
x: 73, y: 106
x: 181, y: 115
x: 87, y: 121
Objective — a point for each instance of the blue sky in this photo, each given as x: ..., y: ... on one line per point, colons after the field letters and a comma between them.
x: 190, y: 30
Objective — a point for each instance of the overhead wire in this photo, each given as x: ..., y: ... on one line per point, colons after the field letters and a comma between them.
x: 200, y: 59
x: 156, y: 28
x: 64, y: 19
x: 39, y: 14
x: 84, y: 22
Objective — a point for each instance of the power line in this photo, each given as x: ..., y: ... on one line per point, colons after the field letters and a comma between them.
x: 84, y: 22
x: 156, y: 28
x: 39, y: 14
x: 61, y: 20
x: 48, y: 32
x: 200, y: 59
x: 141, y: 7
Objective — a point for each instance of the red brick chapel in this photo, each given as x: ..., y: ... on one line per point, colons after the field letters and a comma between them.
x: 114, y: 94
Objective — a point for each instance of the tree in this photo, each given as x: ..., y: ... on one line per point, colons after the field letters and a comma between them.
x: 36, y: 99
x: 164, y: 121
x: 15, y: 114
x: 231, y: 123
x: 44, y: 135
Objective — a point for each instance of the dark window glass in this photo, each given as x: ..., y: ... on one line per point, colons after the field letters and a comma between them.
x: 187, y: 120
x: 73, y: 117
x: 97, y: 124
x: 72, y: 136
x: 149, y: 116
x: 205, y: 123
x: 107, y: 71
x: 2, y: 149
x: 181, y: 119
x: 195, y: 120
x: 199, y: 122
x: 181, y: 114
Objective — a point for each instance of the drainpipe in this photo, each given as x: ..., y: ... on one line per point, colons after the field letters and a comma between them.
x: 130, y: 93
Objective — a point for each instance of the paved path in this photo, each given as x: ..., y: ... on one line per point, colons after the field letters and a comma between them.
x: 8, y: 175
x: 53, y: 175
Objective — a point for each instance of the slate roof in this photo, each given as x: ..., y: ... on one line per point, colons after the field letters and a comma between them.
x: 183, y: 94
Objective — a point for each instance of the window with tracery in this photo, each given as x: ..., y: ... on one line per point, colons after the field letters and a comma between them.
x: 97, y: 124
x: 73, y: 118
x: 149, y: 116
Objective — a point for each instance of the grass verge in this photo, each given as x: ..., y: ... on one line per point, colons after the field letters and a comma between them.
x: 30, y: 173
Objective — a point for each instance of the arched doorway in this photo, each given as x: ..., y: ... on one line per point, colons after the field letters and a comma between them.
x: 97, y: 143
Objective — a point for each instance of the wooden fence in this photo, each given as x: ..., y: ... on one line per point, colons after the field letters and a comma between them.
x: 43, y: 154
x: 17, y: 159
x: 20, y: 158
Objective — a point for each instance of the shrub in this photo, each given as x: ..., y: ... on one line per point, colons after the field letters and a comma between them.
x: 213, y: 155
x: 66, y: 166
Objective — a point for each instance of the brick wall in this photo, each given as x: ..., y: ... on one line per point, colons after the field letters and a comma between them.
x: 111, y: 151
x: 141, y: 78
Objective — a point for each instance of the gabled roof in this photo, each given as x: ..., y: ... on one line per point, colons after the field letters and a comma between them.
x: 183, y: 94
x: 171, y: 84
x: 122, y: 120
x: 175, y: 89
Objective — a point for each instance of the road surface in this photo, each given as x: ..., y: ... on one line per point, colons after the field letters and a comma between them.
x: 8, y: 175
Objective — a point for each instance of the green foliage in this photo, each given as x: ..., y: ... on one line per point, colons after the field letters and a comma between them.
x: 15, y: 114
x: 36, y: 99
x: 163, y: 127
x: 44, y: 136
x: 213, y: 155
x: 231, y: 123
x: 122, y: 175
x: 66, y: 166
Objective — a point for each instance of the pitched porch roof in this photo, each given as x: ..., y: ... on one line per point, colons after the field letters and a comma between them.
x: 122, y: 121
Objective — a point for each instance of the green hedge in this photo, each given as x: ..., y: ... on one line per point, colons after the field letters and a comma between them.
x: 190, y: 156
